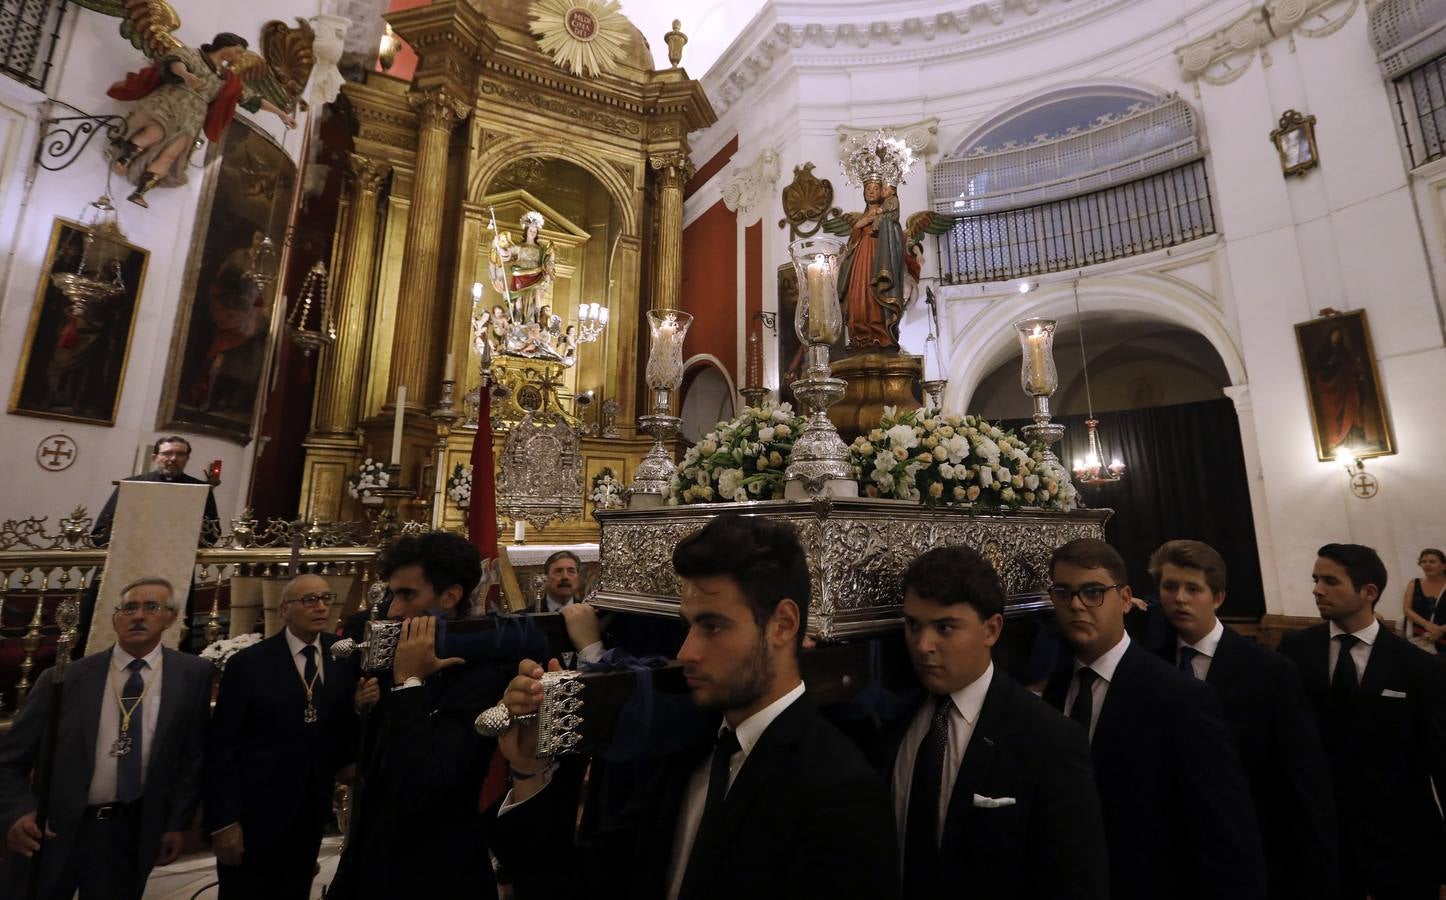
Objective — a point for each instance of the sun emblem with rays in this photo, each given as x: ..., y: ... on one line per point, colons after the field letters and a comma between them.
x: 586, y: 37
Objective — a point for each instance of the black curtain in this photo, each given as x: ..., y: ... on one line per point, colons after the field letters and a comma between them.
x: 1184, y: 478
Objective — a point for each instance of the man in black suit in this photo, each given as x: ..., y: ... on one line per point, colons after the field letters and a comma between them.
x: 282, y: 728
x: 1179, y: 821
x: 1265, y: 706
x: 170, y: 456
x: 777, y: 804
x: 1381, y: 707
x: 126, y: 774
x: 424, y: 763
x: 993, y: 789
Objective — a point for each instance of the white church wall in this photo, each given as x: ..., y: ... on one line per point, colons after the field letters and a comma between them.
x: 91, y: 57
x: 1346, y: 235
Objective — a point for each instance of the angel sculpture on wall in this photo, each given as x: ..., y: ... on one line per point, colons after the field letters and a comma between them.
x: 185, y: 93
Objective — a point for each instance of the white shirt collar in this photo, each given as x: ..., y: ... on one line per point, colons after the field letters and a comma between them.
x: 1105, y: 665
x: 752, y: 728
x: 1207, y: 645
x: 119, y: 658
x: 969, y: 699
x: 296, y: 645
x: 1366, y: 635
x: 554, y: 605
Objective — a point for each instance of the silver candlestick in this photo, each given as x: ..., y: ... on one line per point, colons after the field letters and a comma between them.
x: 819, y: 463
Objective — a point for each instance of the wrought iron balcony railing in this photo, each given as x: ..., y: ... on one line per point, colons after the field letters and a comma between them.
x: 29, y: 31
x: 1161, y: 210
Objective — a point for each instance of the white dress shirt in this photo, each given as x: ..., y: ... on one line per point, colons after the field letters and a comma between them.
x: 691, y: 813
x: 1105, y: 668
x: 299, y: 658
x: 964, y: 708
x: 1360, y: 652
x: 103, y: 775
x: 1204, y: 650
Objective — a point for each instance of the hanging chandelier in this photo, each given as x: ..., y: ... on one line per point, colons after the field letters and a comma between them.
x: 307, y: 330
x: 1091, y: 469
x: 97, y: 277
x: 265, y: 262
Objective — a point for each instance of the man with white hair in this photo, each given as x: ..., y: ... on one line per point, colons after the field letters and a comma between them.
x: 124, y: 765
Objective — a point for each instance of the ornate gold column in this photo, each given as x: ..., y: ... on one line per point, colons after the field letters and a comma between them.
x: 339, y: 378
x: 439, y: 111
x: 673, y: 170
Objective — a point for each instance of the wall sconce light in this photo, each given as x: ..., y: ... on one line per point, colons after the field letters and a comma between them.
x: 1363, y: 483
x: 1027, y: 286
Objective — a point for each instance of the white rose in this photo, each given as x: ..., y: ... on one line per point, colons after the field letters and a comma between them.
x: 766, y: 434
x: 903, y: 436
x: 1031, y: 482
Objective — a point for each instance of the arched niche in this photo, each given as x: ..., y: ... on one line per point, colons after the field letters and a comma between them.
x: 707, y: 397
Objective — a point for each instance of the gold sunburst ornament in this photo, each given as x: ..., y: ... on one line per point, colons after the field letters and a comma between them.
x: 586, y: 37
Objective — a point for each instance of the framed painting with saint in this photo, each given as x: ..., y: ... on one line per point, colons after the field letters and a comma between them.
x: 1347, y: 404
x: 73, y: 362
x: 221, y: 346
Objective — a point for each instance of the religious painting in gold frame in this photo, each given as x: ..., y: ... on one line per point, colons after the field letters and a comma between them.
x: 1343, y: 387
x: 1294, y: 140
x: 220, y: 350
x: 72, y: 366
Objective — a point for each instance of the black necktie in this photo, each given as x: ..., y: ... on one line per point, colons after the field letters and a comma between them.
x: 1187, y: 656
x: 727, y: 745
x: 921, y: 828
x: 1344, y: 682
x: 129, y: 773
x: 1084, y: 700
x: 309, y: 651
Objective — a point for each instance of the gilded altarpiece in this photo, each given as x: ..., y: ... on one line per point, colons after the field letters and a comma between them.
x: 488, y: 128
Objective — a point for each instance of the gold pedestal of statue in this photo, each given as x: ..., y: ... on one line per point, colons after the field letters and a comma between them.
x: 875, y: 380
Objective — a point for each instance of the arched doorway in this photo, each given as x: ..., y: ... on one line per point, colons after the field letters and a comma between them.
x: 707, y: 398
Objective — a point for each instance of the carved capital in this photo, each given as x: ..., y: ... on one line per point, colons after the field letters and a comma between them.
x: 367, y: 174
x: 673, y: 168
x: 439, y: 109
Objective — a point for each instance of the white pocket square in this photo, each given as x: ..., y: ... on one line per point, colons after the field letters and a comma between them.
x: 1399, y: 695
x: 992, y: 802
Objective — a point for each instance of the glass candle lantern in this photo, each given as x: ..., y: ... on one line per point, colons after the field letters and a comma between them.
x: 1037, y: 374
x: 818, y: 318
x: 665, y: 361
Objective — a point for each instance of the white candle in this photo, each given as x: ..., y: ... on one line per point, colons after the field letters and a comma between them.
x: 449, y: 373
x: 476, y: 291
x: 1038, y: 360
x: 818, y: 297
x: 519, y: 532
x: 397, y: 421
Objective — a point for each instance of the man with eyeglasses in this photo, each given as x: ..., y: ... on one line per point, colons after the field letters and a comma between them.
x: 282, y: 728
x: 169, y: 457
x: 124, y: 766
x: 1178, y: 817
x: 1265, y: 706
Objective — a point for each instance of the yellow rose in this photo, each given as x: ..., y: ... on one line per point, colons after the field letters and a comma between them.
x: 936, y: 489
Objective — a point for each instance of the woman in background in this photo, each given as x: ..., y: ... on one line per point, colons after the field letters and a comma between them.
x: 1424, y: 615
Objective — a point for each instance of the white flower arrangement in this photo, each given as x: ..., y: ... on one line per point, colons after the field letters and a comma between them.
x: 942, y: 459
x: 459, y: 485
x: 739, y: 460
x: 222, y: 651
x: 607, y: 490
x: 371, y: 476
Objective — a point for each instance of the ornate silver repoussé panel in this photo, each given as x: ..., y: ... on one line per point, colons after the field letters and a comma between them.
x: 857, y: 553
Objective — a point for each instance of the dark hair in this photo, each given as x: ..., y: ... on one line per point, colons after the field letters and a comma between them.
x: 1362, y: 564
x: 173, y: 439
x: 949, y: 575
x: 225, y: 39
x: 446, y: 559
x: 1088, y: 553
x: 561, y: 554
x: 1431, y: 551
x: 1190, y: 555
x: 761, y: 556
